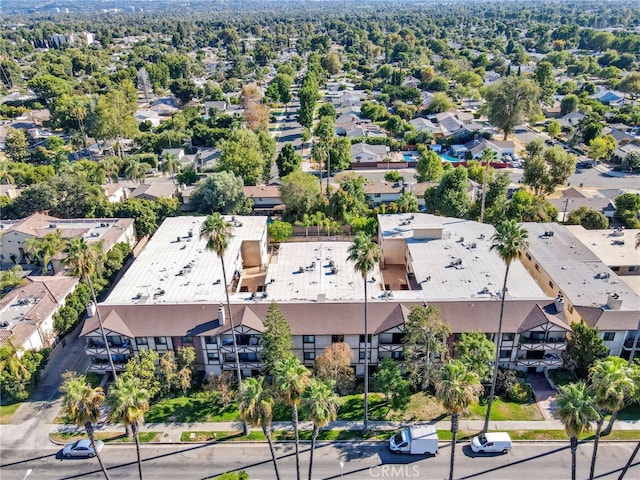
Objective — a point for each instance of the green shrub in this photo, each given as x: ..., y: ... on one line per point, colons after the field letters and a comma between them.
x: 520, y: 393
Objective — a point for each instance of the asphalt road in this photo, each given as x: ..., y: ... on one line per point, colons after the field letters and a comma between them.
x: 527, y: 461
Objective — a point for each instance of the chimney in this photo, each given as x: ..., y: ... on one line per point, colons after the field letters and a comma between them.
x: 559, y: 304
x: 221, y: 316
x: 614, y: 302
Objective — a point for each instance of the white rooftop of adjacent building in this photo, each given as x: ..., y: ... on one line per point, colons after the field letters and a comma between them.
x: 615, y: 247
x: 175, y: 266
x: 452, y: 259
x: 577, y: 271
x: 318, y: 271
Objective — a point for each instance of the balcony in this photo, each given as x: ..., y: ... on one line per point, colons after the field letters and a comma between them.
x: 101, y: 364
x: 536, y: 343
x: 628, y: 344
x: 95, y: 346
x: 540, y: 362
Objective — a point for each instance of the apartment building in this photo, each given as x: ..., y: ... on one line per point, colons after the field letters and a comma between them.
x: 585, y: 287
x: 174, y: 295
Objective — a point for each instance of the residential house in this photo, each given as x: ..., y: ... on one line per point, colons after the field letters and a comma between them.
x: 364, y: 155
x: 266, y: 198
x: 154, y: 191
x: 609, y: 97
x: 574, y: 198
x: 425, y: 125
x: 387, y: 192
x: 571, y: 119
x: 115, y: 192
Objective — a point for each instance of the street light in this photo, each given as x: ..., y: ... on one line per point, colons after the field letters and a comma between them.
x: 341, y: 468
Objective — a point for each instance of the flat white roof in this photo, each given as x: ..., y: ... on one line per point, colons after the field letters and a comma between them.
x: 176, y: 267
x: 613, y: 247
x: 575, y: 269
x: 304, y: 271
x: 462, y: 264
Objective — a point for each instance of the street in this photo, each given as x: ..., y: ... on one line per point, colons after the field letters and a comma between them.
x: 360, y: 460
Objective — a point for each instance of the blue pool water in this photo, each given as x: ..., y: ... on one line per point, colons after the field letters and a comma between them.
x: 448, y: 158
x: 410, y: 157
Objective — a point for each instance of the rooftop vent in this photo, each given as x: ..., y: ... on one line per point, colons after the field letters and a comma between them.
x: 614, y: 302
x: 5, y: 324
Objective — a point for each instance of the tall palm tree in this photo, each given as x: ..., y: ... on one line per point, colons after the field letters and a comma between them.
x: 576, y: 410
x: 255, y: 404
x: 456, y: 388
x: 320, y: 405
x: 217, y: 233
x: 81, y: 404
x: 509, y: 241
x: 611, y: 385
x: 290, y: 380
x: 170, y: 165
x: 488, y: 156
x: 365, y: 254
x: 84, y: 261
x: 129, y: 402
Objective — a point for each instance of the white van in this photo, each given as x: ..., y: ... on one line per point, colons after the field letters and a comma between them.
x: 492, y: 442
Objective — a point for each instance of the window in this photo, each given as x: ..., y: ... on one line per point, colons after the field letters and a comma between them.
x: 609, y: 336
x: 362, y: 338
x: 115, y: 341
x: 142, y: 341
x: 248, y: 357
x: 187, y: 339
x: 309, y: 355
x: 213, y: 356
x: 550, y: 284
x: 397, y: 355
x: 210, y: 340
x: 508, y: 337
x: 617, y: 269
x: 362, y: 355
x: 397, y: 337
x: 160, y: 340
x: 505, y: 353
x: 309, y: 338
x: 337, y: 338
x: 631, y: 269
x: 537, y: 267
x: 528, y: 257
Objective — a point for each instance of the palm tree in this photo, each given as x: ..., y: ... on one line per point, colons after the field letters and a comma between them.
x: 509, y: 241
x: 365, y: 254
x: 129, y: 402
x: 576, y: 409
x: 291, y: 379
x: 136, y: 171
x: 86, y: 260
x: 456, y: 388
x: 611, y: 386
x: 321, y: 407
x: 488, y: 156
x: 81, y: 404
x: 217, y: 233
x: 255, y: 404
x: 170, y: 165
x: 45, y: 248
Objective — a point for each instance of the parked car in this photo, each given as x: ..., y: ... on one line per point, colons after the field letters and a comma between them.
x: 82, y: 448
x: 491, y: 442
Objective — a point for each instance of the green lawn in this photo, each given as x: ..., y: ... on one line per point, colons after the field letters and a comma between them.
x: 7, y: 411
x: 562, y: 376
x: 193, y: 408
x: 506, y: 411
x: 352, y: 407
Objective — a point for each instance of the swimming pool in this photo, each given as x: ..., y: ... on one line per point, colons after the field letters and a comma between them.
x: 410, y: 157
x: 449, y: 158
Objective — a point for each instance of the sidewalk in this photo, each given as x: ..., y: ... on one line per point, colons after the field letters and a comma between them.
x: 171, y: 432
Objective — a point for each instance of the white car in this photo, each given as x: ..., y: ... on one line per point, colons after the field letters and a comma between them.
x: 82, y: 448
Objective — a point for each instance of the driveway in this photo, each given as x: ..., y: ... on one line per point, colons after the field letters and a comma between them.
x: 544, y: 394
